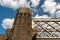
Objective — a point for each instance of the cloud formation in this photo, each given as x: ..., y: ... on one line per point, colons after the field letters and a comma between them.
x: 43, y: 16
x: 51, y: 6
x: 57, y: 14
x: 35, y: 3
x: 15, y: 4
x: 58, y: 6
x: 7, y: 23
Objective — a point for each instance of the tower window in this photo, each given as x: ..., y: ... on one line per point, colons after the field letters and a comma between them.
x: 21, y: 14
x: 24, y: 13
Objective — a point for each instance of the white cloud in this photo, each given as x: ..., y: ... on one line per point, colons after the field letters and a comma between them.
x: 28, y: 5
x: 7, y: 23
x: 57, y: 14
x: 58, y: 6
x: 49, y: 0
x: 22, y: 3
x: 43, y: 16
x: 35, y: 3
x: 0, y: 1
x: 15, y: 4
x: 49, y: 6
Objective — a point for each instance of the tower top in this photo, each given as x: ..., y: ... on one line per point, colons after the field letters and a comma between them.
x: 24, y: 10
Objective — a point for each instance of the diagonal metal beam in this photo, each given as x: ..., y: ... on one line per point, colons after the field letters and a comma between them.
x: 52, y: 27
x: 45, y: 30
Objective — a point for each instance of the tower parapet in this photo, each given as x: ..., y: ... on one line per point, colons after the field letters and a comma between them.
x: 24, y: 10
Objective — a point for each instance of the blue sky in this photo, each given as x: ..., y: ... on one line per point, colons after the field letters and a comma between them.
x: 39, y: 10
x: 5, y: 13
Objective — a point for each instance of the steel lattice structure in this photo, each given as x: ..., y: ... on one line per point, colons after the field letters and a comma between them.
x: 47, y: 28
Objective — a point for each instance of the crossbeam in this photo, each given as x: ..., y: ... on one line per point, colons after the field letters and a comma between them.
x: 45, y: 19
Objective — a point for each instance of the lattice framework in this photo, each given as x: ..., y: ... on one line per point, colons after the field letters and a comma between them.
x: 47, y: 28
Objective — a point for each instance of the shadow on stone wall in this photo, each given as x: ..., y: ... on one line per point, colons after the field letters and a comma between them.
x: 34, y: 37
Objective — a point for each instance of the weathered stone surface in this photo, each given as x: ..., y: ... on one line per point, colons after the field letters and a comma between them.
x: 3, y: 37
x: 22, y: 27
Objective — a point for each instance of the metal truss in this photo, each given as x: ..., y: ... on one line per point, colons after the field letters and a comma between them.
x: 47, y: 28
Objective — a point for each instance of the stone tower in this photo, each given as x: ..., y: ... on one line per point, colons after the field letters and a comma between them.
x: 22, y: 27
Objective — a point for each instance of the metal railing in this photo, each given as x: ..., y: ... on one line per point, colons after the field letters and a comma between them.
x: 47, y: 28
